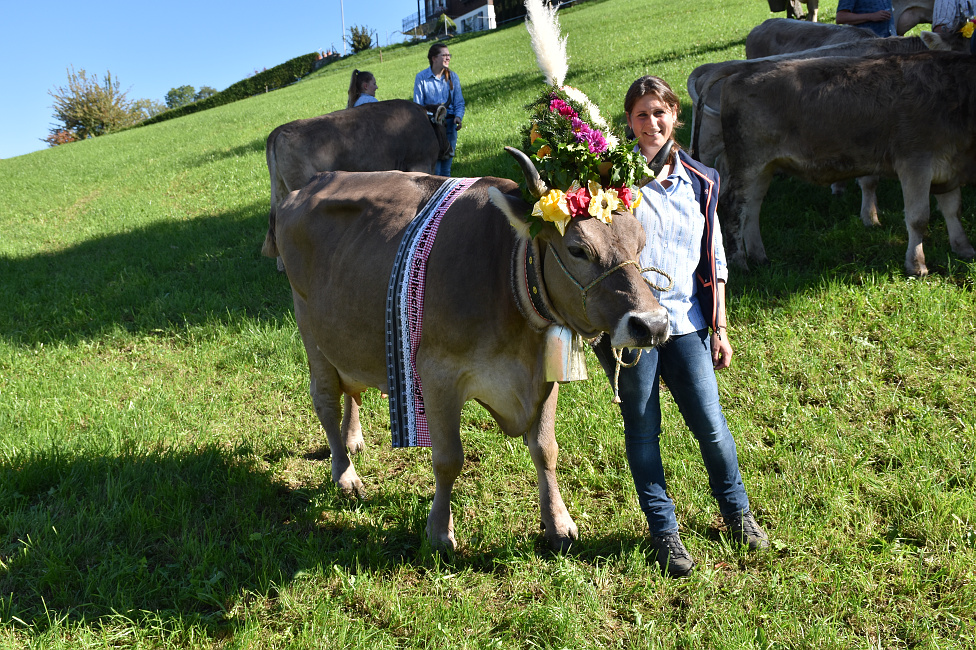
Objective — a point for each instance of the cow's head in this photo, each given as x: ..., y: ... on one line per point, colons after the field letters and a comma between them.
x: 437, y: 121
x: 591, y: 272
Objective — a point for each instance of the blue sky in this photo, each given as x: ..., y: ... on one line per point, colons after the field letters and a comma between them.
x: 153, y: 47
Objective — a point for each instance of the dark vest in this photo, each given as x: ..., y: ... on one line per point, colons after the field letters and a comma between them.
x: 705, y: 182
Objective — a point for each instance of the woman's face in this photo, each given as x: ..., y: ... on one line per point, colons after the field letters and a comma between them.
x: 652, y: 121
x: 441, y: 60
x: 370, y: 87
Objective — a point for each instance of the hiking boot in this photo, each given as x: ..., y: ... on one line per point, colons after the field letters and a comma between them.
x: 743, y: 529
x: 672, y: 556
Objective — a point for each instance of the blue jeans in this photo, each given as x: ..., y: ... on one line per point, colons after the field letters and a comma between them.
x: 685, y: 364
x: 443, y: 167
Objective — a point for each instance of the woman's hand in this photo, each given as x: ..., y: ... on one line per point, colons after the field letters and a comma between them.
x: 721, y: 349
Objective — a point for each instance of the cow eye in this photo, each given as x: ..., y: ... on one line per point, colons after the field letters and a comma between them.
x: 577, y: 252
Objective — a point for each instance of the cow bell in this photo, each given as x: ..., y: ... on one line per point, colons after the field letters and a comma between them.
x: 564, y: 360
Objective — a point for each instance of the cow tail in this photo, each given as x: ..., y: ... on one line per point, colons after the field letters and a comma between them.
x: 270, y: 247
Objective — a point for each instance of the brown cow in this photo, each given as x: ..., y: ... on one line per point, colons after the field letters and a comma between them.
x: 781, y: 36
x: 912, y: 116
x: 706, y: 81
x: 338, y: 237
x: 391, y: 135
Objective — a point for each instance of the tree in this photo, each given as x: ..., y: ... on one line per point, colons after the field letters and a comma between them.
x: 143, y: 109
x: 444, y: 22
x: 88, y: 108
x: 181, y: 96
x: 204, y: 92
x: 359, y: 39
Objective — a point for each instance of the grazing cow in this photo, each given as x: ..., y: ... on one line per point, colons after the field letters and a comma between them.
x: 912, y: 116
x: 706, y: 81
x: 339, y: 236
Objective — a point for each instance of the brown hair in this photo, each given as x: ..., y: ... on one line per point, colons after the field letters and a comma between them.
x: 356, y: 83
x: 434, y: 51
x: 651, y: 85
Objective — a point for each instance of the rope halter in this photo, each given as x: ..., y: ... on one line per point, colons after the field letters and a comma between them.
x: 617, y: 353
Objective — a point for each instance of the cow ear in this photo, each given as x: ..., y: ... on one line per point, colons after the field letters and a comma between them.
x: 934, y: 41
x: 515, y: 210
x: 440, y: 116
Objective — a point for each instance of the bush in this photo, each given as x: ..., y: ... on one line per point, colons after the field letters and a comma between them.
x: 88, y: 107
x: 277, y: 77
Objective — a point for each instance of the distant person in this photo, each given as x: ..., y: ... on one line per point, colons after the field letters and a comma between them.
x: 949, y: 15
x: 438, y: 85
x: 868, y: 14
x: 362, y: 88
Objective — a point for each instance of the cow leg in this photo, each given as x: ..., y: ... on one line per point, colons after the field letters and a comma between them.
x: 915, y: 185
x: 325, y: 389
x: 749, y: 219
x: 838, y: 188
x: 352, y: 432
x: 447, y: 456
x: 560, y: 528
x: 869, y: 200
x: 950, y: 205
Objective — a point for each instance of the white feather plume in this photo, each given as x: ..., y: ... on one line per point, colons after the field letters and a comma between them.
x: 549, y: 48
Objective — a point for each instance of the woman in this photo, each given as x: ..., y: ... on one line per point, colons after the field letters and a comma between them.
x: 439, y: 85
x: 677, y: 212
x: 362, y: 88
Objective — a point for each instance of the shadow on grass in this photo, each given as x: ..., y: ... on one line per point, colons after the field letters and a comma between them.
x: 144, y: 280
x: 186, y: 536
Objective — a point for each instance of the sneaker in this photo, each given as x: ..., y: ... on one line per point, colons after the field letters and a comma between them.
x: 672, y: 556
x: 744, y: 529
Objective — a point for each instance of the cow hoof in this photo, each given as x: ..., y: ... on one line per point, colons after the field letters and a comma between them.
x: 442, y: 543
x: 561, y: 540
x: 355, y: 443
x: 351, y: 487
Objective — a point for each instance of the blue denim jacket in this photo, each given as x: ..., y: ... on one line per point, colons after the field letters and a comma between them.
x: 428, y: 89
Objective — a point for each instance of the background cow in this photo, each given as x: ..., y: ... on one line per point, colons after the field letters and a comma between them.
x: 781, y: 36
x: 908, y: 13
x: 912, y: 116
x: 338, y: 237
x: 391, y: 135
x: 706, y: 82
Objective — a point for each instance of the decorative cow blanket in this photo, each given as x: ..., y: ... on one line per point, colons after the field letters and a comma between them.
x: 405, y: 313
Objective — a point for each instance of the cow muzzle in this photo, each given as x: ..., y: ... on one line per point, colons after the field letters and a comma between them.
x: 641, y: 329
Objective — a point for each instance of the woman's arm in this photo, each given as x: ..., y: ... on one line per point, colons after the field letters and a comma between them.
x: 721, y: 348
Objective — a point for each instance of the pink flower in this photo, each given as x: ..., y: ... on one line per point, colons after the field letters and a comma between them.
x: 559, y: 106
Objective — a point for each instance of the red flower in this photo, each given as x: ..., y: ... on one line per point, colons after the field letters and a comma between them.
x: 625, y: 196
x: 578, y: 202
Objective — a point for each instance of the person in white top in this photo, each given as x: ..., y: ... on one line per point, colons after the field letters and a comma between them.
x: 362, y: 88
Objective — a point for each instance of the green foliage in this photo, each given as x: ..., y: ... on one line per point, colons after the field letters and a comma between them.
x: 181, y: 96
x: 204, y: 92
x: 359, y: 39
x: 277, y: 77
x: 88, y: 107
x: 163, y: 478
x: 143, y: 109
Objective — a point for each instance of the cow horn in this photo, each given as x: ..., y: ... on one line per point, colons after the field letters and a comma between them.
x: 536, y: 186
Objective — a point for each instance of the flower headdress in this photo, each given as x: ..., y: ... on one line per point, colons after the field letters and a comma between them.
x: 588, y: 170
x: 968, y: 27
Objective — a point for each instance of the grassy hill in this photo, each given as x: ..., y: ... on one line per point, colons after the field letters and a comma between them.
x: 163, y: 481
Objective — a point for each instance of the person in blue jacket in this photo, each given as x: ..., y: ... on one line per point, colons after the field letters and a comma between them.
x: 437, y: 85
x: 678, y: 213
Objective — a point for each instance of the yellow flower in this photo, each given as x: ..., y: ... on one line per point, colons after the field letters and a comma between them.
x: 967, y: 29
x: 638, y: 197
x: 602, y: 202
x: 534, y: 133
x: 552, y: 207
x: 543, y: 151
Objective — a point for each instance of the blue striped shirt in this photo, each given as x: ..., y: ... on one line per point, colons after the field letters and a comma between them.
x: 428, y: 89
x: 674, y: 226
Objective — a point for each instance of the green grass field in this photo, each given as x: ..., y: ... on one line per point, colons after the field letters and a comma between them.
x: 164, y: 481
